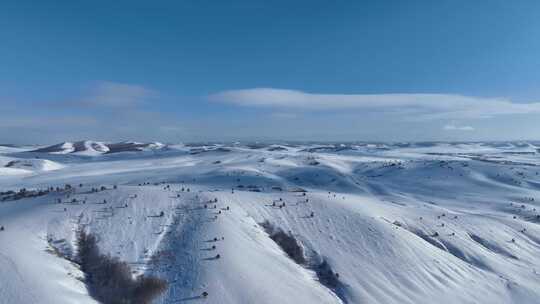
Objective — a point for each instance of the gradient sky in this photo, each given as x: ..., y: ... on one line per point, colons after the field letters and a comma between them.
x: 256, y: 70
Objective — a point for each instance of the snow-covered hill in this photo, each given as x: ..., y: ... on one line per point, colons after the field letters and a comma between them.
x: 33, y: 164
x: 283, y: 223
x: 95, y: 148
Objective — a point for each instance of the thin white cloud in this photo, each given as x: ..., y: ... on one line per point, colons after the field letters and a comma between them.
x: 427, y: 106
x: 32, y: 121
x: 171, y: 128
x: 454, y: 127
x: 118, y: 95
x: 109, y: 111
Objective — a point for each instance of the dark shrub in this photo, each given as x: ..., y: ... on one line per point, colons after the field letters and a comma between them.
x: 109, y: 280
x: 326, y: 275
x: 287, y: 242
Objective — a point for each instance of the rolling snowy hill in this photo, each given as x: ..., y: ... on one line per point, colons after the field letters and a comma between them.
x: 95, y: 148
x: 278, y: 223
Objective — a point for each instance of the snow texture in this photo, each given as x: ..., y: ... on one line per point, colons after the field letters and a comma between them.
x: 278, y: 223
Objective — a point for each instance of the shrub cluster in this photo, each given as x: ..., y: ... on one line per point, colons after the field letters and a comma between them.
x: 110, y: 281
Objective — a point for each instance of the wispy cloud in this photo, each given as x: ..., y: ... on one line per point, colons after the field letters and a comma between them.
x: 426, y: 106
x: 118, y: 95
x: 455, y: 127
x: 108, y: 111
x: 33, y: 121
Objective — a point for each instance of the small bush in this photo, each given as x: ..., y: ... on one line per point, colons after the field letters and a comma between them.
x: 109, y: 280
x: 287, y: 242
x: 321, y: 267
x: 326, y: 275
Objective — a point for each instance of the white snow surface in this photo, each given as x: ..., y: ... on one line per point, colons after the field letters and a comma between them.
x: 97, y: 148
x: 399, y: 223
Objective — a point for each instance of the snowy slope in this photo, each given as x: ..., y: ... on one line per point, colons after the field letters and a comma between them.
x: 392, y: 223
x: 96, y: 148
x: 33, y: 164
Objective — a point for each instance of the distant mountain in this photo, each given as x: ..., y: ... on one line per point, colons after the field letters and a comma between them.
x: 129, y: 146
x: 92, y: 148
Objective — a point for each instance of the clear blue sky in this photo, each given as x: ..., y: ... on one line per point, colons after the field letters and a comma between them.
x: 317, y: 70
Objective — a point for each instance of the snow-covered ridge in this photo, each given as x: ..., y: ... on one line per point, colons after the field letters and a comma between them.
x: 34, y: 164
x: 281, y: 223
x: 94, y: 148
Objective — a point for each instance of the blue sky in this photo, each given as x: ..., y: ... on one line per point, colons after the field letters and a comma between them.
x: 254, y: 70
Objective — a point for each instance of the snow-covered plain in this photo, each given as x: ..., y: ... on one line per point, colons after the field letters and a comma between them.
x: 394, y: 223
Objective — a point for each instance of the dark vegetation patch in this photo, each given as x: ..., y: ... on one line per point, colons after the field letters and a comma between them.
x: 253, y: 188
x: 128, y: 147
x: 194, y: 151
x: 297, y: 189
x: 109, y: 280
x: 327, y: 276
x: 277, y: 148
x: 294, y: 249
x: 22, y: 193
x: 287, y: 242
x: 12, y: 195
x: 13, y: 163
